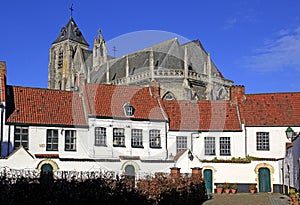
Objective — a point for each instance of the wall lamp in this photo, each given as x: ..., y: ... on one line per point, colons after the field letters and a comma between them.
x: 290, y: 134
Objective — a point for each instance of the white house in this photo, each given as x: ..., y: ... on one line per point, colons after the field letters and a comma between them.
x: 131, y: 130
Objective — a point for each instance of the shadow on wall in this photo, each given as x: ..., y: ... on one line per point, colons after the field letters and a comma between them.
x: 6, y: 148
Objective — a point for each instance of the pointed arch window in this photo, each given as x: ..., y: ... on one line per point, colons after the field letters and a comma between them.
x: 60, y: 59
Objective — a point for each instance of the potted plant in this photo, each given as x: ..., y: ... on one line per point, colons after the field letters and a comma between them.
x: 227, y: 187
x: 294, y: 196
x: 234, y: 188
x: 252, y: 188
x: 219, y: 188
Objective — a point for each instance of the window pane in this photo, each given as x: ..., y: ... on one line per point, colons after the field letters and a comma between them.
x: 21, y: 137
x: 181, y: 143
x: 52, y: 140
x: 137, y: 138
x: 118, y: 137
x: 262, y: 141
x: 100, y: 136
x: 225, y: 146
x: 209, y: 146
x: 154, y: 136
x: 70, y: 140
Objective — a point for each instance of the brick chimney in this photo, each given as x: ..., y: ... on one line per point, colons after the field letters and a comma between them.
x: 2, y: 81
x: 175, y: 172
x: 197, y: 172
x: 155, y: 88
x: 237, y: 94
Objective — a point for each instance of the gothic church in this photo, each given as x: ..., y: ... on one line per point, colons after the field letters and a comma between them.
x: 183, y: 71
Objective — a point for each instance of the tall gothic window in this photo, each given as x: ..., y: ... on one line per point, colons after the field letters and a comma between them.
x: 60, y: 59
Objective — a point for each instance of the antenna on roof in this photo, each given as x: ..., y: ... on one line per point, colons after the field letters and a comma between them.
x: 71, y: 9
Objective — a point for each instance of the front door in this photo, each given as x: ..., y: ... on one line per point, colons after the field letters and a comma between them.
x: 130, y: 172
x: 208, y: 180
x: 264, y: 180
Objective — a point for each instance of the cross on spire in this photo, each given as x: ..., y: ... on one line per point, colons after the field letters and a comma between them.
x: 71, y: 9
x: 114, y: 50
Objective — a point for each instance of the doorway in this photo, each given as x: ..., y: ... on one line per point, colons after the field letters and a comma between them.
x: 264, y: 180
x: 130, y: 172
x: 208, y: 174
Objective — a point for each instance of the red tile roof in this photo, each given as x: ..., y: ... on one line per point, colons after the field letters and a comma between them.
x: 273, y: 109
x: 108, y: 101
x: 44, y: 106
x: 202, y: 116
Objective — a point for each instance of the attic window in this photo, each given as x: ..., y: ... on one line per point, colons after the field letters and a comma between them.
x: 128, y: 109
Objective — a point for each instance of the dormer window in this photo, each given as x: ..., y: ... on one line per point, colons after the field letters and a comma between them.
x: 128, y: 109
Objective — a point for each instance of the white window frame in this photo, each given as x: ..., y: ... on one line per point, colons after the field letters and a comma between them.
x: 100, y: 136
x: 70, y: 140
x: 21, y: 137
x: 181, y: 143
x: 118, y: 137
x: 225, y: 146
x: 154, y: 139
x: 137, y: 138
x: 52, y: 140
x: 210, y: 146
x: 263, y: 141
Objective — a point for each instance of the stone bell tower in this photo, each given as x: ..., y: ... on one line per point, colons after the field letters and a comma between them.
x: 62, y: 74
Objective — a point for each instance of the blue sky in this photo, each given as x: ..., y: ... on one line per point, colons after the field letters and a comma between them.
x: 254, y: 43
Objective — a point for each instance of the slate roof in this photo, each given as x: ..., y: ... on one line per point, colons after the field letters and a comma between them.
x: 167, y: 55
x: 202, y: 116
x: 272, y: 109
x: 108, y: 101
x: 36, y: 106
x: 71, y: 32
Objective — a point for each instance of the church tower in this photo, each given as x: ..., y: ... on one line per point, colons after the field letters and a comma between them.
x: 63, y: 74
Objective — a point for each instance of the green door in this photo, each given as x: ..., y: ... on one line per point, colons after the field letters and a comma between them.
x: 264, y: 180
x: 47, y: 168
x: 130, y: 172
x: 208, y: 180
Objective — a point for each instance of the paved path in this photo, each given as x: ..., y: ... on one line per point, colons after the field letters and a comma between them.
x: 248, y: 199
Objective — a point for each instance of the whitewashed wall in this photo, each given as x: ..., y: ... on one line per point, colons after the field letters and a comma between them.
x: 195, y: 142
x: 277, y: 142
x: 110, y: 151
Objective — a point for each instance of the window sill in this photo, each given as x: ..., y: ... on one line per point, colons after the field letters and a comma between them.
x: 142, y: 147
x: 118, y: 145
x: 100, y: 145
x: 70, y: 150
x: 155, y: 147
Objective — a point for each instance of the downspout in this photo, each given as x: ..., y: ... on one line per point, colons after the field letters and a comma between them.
x: 2, y: 107
x: 242, y: 125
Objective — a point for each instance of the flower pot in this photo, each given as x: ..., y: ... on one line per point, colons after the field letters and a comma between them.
x: 294, y: 200
x: 252, y: 191
x: 227, y: 191
x: 233, y: 191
